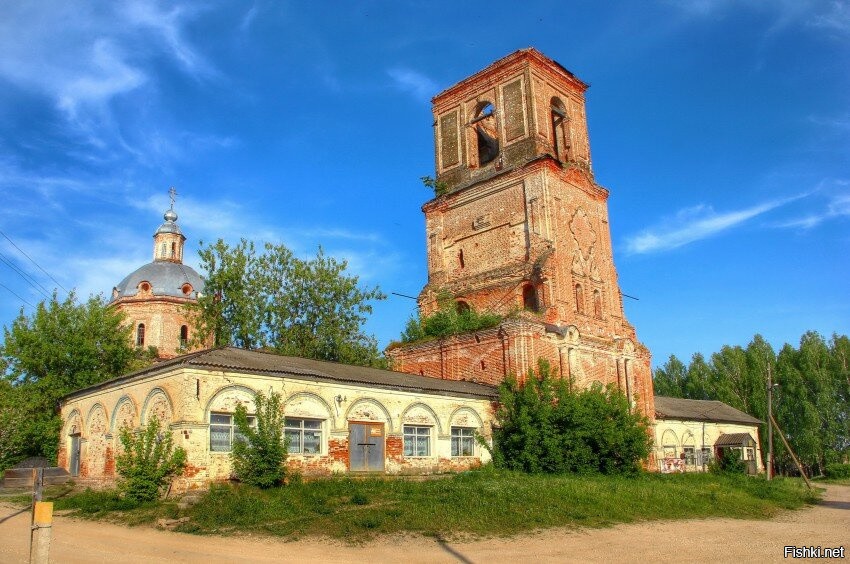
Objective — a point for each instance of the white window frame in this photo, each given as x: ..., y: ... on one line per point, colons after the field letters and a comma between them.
x: 289, y: 427
x: 459, y: 436
x: 412, y: 434
x: 232, y: 429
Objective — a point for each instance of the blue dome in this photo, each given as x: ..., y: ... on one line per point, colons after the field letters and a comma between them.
x: 166, y: 279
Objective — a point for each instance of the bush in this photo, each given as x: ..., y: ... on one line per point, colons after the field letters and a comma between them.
x: 447, y: 321
x: 730, y: 463
x: 258, y: 455
x: 149, y: 459
x: 543, y: 426
x: 837, y: 471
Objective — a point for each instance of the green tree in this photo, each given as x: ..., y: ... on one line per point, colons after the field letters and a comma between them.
x: 448, y: 320
x: 543, y: 426
x: 147, y: 461
x: 259, y: 451
x: 63, y: 346
x: 311, y: 308
x: 670, y: 379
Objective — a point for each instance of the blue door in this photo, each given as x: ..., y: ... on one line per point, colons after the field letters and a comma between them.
x: 366, y: 447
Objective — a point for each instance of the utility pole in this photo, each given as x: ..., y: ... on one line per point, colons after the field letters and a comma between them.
x: 769, y: 423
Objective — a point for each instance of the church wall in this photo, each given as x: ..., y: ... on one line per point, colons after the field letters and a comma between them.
x: 185, y: 398
x: 163, y: 318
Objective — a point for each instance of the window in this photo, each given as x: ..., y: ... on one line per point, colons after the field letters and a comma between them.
x: 417, y: 441
x: 485, y: 132
x: 462, y: 307
x: 162, y: 250
x: 140, y: 335
x: 706, y: 455
x: 529, y: 298
x: 463, y: 441
x: 223, y: 431
x: 597, y: 303
x: 460, y: 260
x: 173, y: 250
x: 690, y: 456
x: 579, y: 299
x: 305, y: 435
x: 184, y: 336
x: 560, y: 130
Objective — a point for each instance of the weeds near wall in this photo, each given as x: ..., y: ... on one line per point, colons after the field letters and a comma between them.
x: 259, y: 452
x: 147, y: 462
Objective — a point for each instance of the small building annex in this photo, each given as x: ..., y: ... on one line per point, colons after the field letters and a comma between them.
x: 339, y: 418
x: 690, y: 434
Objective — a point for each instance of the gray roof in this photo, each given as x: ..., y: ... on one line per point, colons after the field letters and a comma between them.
x: 233, y: 359
x: 734, y: 439
x: 711, y: 411
x: 166, y: 279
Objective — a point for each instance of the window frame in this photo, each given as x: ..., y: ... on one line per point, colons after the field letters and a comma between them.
x: 301, y: 429
x: 414, y: 433
x: 459, y: 437
x: 233, y: 433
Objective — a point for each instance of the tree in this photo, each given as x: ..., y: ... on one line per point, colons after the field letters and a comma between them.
x: 543, y: 426
x: 670, y: 378
x: 147, y: 461
x: 260, y: 450
x: 310, y: 308
x: 63, y: 346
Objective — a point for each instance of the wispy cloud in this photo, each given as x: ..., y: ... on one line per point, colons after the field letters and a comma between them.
x: 837, y: 206
x: 836, y: 17
x: 413, y: 82
x: 694, y: 224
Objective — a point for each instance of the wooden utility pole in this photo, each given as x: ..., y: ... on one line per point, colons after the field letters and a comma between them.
x: 769, y: 425
x: 791, y: 452
x: 42, y: 521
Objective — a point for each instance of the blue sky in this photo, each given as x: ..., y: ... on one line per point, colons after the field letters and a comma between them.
x: 720, y: 127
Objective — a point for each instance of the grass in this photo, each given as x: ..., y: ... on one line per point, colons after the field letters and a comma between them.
x: 480, y: 503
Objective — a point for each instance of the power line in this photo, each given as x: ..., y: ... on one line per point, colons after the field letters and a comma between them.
x: 16, y: 295
x: 33, y: 261
x: 27, y: 278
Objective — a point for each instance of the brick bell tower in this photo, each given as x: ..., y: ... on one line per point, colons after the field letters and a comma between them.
x: 520, y: 228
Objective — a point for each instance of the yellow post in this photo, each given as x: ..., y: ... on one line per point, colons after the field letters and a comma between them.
x: 42, y: 523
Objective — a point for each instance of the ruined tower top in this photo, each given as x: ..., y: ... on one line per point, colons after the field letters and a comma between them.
x: 519, y: 109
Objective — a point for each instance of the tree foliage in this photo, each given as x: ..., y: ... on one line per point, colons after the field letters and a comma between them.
x: 259, y: 452
x: 63, y: 346
x: 811, y: 402
x: 147, y: 461
x: 448, y: 320
x: 272, y: 299
x: 544, y: 426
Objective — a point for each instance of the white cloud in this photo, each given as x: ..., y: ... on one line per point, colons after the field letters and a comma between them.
x: 413, y: 82
x: 694, y: 224
x: 837, y: 206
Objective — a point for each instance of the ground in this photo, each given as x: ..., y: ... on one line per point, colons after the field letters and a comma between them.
x: 715, y: 540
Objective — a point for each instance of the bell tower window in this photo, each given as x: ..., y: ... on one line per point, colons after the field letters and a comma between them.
x: 560, y: 122
x: 184, y: 336
x: 486, y: 133
x: 529, y: 298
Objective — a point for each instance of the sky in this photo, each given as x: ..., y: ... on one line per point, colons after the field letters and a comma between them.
x: 721, y: 129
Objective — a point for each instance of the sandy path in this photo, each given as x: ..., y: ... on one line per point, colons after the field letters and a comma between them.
x: 715, y: 540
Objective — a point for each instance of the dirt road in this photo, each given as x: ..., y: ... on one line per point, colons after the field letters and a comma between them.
x: 711, y: 540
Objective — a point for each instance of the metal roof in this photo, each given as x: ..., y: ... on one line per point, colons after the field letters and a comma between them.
x: 233, y: 359
x: 166, y: 279
x: 701, y: 410
x: 734, y: 439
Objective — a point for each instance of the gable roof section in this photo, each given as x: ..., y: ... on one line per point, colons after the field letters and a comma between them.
x: 233, y: 359
x: 710, y: 411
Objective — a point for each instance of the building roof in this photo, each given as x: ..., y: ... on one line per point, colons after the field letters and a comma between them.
x: 712, y: 411
x: 734, y: 439
x: 165, y: 277
x: 233, y: 359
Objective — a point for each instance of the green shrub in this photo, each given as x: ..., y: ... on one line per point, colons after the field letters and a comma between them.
x: 447, y: 321
x: 148, y: 460
x: 543, y: 426
x: 837, y: 471
x: 730, y: 463
x: 258, y: 455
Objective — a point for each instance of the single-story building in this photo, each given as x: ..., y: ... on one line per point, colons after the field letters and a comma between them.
x: 690, y: 434
x: 339, y: 418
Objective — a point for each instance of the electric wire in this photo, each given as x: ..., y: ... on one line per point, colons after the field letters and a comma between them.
x: 16, y: 295
x: 27, y: 278
x: 33, y: 261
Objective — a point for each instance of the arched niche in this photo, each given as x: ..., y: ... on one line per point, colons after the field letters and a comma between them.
x: 158, y: 403
x: 421, y: 414
x: 226, y: 398
x: 308, y: 405
x: 369, y: 409
x: 125, y: 414
x: 465, y: 417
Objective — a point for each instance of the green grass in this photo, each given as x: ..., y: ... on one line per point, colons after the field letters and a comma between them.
x: 481, y: 503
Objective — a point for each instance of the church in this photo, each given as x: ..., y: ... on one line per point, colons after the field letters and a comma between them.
x: 518, y: 227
